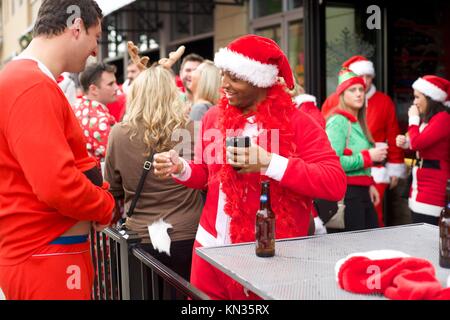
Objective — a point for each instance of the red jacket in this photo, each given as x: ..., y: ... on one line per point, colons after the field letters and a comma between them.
x: 43, y: 191
x: 383, y: 126
x: 432, y: 141
x: 317, y: 173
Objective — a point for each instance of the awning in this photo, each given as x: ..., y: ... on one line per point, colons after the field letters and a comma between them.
x: 109, y: 6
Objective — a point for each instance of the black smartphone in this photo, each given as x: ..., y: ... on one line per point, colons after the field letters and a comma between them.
x: 238, y: 142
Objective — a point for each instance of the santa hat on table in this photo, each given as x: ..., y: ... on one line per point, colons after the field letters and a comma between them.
x: 435, y: 87
x: 392, y: 273
x: 257, y: 60
x: 360, y: 65
x: 346, y: 79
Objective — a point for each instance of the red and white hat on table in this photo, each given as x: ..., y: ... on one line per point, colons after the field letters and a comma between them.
x: 435, y: 87
x: 360, y: 65
x: 392, y: 273
x: 257, y: 60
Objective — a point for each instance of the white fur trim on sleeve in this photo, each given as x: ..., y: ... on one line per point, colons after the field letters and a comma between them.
x: 363, y: 68
x: 396, y: 169
x: 414, y: 121
x: 302, y: 98
x: 277, y: 167
x: 185, y: 173
x: 429, y: 89
x: 255, y: 72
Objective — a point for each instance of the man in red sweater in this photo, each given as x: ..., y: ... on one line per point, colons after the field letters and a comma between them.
x: 288, y: 148
x: 50, y: 189
x: 383, y: 126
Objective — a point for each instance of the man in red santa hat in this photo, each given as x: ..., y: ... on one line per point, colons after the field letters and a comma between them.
x: 304, y: 167
x: 383, y: 126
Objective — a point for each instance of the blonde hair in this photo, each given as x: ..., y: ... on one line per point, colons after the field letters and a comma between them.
x: 208, y: 87
x: 361, y: 116
x: 154, y: 104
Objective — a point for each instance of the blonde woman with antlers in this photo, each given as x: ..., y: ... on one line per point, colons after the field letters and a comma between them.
x: 166, y: 214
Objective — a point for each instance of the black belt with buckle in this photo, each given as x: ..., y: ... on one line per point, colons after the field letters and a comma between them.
x: 429, y: 164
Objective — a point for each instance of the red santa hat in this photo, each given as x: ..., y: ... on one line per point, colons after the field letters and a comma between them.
x: 435, y: 87
x: 392, y: 273
x: 360, y: 65
x: 346, y: 79
x: 257, y: 60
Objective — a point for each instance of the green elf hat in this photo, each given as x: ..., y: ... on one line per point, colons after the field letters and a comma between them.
x: 347, y: 79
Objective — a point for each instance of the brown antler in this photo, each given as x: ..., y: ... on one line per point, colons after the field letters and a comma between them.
x: 140, y: 62
x: 174, y: 56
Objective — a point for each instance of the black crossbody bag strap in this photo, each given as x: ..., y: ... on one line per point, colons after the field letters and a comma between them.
x: 146, y: 169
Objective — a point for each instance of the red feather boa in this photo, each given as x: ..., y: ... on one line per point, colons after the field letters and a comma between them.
x: 274, y: 112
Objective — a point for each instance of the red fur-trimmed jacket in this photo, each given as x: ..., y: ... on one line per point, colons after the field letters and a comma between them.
x: 432, y: 142
x: 316, y: 173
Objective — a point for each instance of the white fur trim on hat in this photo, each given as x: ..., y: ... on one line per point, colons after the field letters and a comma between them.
x: 447, y: 104
x: 363, y: 68
x: 429, y: 89
x: 302, y: 98
x: 255, y: 72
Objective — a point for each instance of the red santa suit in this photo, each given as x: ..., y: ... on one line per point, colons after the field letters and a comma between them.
x: 432, y: 142
x: 308, y: 104
x: 305, y: 166
x: 383, y: 126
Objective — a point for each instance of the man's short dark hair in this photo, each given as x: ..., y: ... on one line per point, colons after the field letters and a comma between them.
x: 192, y: 57
x: 53, y: 16
x: 93, y: 73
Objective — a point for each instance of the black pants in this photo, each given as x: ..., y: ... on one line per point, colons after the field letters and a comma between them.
x: 180, y: 256
x: 359, y: 211
x: 424, y: 218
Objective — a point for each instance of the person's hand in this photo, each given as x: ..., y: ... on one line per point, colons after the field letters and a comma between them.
x: 413, y: 111
x: 167, y: 163
x: 378, y: 154
x: 393, y: 183
x: 249, y: 160
x: 374, y: 195
x: 401, y: 141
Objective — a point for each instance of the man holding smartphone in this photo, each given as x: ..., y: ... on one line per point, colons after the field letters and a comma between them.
x: 286, y: 147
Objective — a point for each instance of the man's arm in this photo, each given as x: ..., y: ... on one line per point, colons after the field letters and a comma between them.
x: 316, y: 172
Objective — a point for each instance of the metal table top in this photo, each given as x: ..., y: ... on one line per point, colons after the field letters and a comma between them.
x: 303, y: 268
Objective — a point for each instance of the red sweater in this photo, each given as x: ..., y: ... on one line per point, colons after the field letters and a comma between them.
x: 43, y: 191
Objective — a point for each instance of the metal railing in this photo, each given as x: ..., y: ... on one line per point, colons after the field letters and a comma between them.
x: 124, y: 271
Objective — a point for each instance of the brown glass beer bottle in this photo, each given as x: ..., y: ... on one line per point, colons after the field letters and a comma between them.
x: 444, y: 232
x: 265, y: 225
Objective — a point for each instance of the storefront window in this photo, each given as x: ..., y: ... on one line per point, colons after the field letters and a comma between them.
x: 345, y: 37
x: 273, y: 32
x: 293, y: 4
x: 296, y: 51
x: 262, y: 8
x: 202, y: 23
x: 181, y: 22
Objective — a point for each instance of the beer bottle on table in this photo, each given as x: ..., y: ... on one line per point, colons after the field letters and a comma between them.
x: 265, y: 224
x: 444, y: 232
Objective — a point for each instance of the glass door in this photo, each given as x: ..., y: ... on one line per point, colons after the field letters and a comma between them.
x: 347, y: 34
